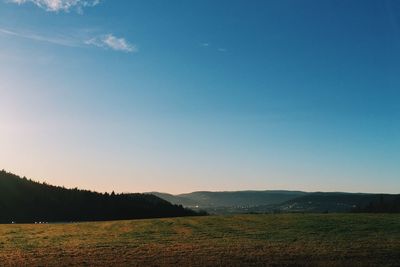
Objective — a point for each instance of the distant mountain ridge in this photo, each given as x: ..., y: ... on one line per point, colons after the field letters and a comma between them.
x: 284, y: 201
x: 25, y: 201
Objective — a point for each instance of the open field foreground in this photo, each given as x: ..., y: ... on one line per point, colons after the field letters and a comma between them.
x: 288, y: 239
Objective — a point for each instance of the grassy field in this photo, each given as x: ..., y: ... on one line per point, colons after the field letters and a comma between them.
x: 288, y: 239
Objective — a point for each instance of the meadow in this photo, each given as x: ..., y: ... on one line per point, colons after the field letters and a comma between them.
x: 237, y: 240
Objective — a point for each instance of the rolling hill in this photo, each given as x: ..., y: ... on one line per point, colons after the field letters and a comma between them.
x: 284, y: 201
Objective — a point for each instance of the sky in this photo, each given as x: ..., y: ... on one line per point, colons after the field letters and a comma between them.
x: 179, y: 96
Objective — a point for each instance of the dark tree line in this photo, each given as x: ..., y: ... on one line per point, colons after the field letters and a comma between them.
x: 383, y: 204
x: 26, y: 201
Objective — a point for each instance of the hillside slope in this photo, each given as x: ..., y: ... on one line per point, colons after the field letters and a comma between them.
x: 23, y: 200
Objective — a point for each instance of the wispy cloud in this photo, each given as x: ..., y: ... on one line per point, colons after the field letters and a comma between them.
x: 107, y: 41
x: 111, y: 42
x: 59, y: 5
x: 222, y: 50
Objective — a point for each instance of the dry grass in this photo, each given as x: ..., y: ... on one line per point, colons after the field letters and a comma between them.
x: 270, y: 240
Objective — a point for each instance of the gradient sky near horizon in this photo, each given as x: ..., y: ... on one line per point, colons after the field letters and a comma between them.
x: 178, y: 96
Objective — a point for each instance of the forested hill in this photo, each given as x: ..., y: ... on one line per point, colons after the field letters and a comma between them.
x: 25, y: 201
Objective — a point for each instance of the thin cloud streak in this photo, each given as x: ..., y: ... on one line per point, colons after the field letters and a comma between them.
x: 39, y: 38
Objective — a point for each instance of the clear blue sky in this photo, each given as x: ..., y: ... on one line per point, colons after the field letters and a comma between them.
x: 179, y: 96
